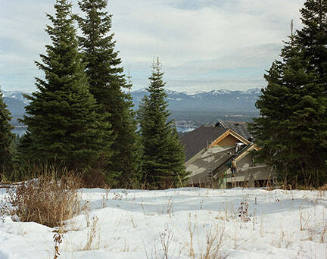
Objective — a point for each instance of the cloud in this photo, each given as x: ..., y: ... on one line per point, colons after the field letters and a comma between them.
x: 204, y: 38
x: 208, y: 44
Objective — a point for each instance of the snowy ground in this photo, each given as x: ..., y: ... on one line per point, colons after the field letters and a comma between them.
x: 181, y: 223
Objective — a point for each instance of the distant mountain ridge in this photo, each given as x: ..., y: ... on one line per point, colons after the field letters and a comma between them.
x: 16, y: 103
x: 216, y: 101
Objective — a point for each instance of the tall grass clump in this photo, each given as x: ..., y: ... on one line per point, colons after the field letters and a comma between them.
x: 46, y: 200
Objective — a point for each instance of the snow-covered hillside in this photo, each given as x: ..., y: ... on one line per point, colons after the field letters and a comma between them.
x: 181, y: 223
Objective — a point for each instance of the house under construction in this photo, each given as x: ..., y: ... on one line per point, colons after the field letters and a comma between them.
x: 209, y: 152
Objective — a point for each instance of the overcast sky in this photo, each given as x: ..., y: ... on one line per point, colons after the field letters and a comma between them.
x: 202, y: 44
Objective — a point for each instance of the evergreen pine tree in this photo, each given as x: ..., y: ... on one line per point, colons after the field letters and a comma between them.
x: 277, y: 130
x: 163, y: 154
x: 313, y: 39
x: 290, y: 129
x: 107, y: 82
x: 313, y: 36
x: 6, y: 138
x: 175, y: 160
x: 64, y: 128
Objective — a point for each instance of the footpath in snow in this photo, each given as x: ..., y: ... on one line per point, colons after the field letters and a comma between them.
x: 180, y: 223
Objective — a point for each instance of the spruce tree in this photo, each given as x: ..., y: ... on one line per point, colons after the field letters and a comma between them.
x: 313, y: 36
x: 313, y: 39
x: 281, y: 130
x: 163, y: 154
x: 292, y: 127
x: 64, y: 128
x: 107, y: 84
x: 6, y: 139
x: 175, y: 160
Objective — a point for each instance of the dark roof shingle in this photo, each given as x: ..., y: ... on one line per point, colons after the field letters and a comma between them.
x: 199, y: 138
x: 203, y: 136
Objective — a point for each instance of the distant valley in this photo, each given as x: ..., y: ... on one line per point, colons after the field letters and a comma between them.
x: 188, y: 110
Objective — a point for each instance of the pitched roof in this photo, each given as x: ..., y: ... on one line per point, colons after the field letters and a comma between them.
x: 240, y: 128
x: 203, y: 136
x: 231, y: 133
x: 199, y: 138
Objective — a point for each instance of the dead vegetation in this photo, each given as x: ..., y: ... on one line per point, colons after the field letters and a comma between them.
x: 46, y: 200
x: 166, y: 238
x: 92, y: 234
x: 57, y: 239
x: 214, y: 242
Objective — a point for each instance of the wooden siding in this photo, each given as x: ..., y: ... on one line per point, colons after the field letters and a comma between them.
x: 229, y: 138
x: 228, y: 141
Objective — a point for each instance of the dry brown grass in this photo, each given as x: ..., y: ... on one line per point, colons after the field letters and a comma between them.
x: 45, y: 200
x: 323, y: 234
x: 166, y: 238
x: 304, y: 219
x: 191, y: 230
x: 57, y: 239
x: 92, y: 235
x: 323, y: 188
x: 214, y: 242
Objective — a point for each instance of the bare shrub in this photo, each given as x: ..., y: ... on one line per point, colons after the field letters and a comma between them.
x: 103, y: 201
x: 92, y: 234
x: 322, y: 190
x: 214, y: 242
x: 243, y: 211
x: 133, y: 222
x: 117, y: 196
x: 323, y: 234
x: 304, y: 220
x: 166, y: 238
x: 191, y: 230
x: 3, y: 211
x: 170, y: 207
x: 57, y: 239
x: 45, y: 200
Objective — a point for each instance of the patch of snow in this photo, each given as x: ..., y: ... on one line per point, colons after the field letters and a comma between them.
x: 141, y: 90
x: 171, y: 92
x: 252, y: 91
x: 221, y: 91
x: 16, y: 95
x: 137, y: 224
x: 175, y: 99
x: 193, y: 92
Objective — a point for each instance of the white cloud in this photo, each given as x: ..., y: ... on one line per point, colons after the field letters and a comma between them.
x: 193, y: 41
x: 194, y: 38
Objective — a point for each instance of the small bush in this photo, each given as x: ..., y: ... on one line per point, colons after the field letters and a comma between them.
x: 45, y: 200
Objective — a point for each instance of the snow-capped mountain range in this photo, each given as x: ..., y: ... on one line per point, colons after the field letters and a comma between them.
x: 16, y: 102
x: 216, y: 101
x: 17, y: 95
